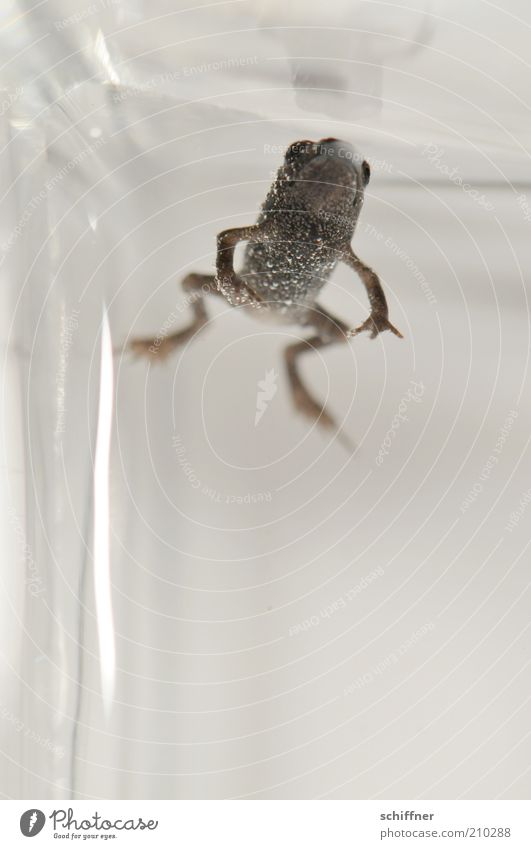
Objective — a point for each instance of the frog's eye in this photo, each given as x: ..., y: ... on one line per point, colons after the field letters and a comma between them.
x: 365, y: 172
x: 297, y: 149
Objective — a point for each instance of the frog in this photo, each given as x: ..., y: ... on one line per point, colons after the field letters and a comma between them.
x: 303, y: 231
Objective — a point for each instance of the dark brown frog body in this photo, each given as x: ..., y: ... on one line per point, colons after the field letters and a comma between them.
x: 304, y: 229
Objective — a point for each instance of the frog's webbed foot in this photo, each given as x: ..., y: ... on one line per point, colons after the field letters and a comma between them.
x: 375, y: 324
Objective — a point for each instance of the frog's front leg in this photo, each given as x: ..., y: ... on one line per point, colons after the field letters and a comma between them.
x: 232, y: 287
x: 378, y: 320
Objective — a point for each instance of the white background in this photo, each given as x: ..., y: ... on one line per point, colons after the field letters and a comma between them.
x: 167, y: 669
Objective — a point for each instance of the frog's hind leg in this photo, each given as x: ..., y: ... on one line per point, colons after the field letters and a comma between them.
x: 196, y: 286
x: 330, y: 331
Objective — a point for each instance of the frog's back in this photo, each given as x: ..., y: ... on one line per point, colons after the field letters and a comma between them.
x: 307, y: 228
x: 294, y: 263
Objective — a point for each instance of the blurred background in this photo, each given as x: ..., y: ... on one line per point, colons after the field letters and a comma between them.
x: 197, y: 604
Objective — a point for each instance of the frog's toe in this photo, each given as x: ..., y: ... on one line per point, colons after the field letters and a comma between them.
x: 315, y: 411
x: 374, y: 325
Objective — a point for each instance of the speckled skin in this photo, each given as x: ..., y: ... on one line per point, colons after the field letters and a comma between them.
x: 304, y: 229
x: 309, y: 214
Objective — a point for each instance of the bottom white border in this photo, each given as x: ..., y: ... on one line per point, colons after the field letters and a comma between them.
x: 265, y: 824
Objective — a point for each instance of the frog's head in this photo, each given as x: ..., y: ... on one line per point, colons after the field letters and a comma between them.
x: 326, y: 174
